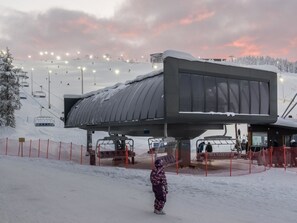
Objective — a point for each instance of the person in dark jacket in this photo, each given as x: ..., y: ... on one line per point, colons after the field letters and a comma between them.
x: 208, y: 147
x: 200, y: 147
x: 159, y: 186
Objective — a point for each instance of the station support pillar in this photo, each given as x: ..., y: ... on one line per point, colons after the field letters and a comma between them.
x: 89, y: 140
x: 184, y: 152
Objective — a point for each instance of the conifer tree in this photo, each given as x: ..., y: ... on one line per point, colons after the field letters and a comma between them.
x: 9, y: 90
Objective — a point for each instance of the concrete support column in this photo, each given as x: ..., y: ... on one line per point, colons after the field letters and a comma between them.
x: 184, y: 152
x: 89, y: 140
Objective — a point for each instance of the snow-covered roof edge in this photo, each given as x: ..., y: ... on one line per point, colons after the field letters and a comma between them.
x: 167, y: 53
x: 117, y: 86
x: 288, y: 122
x: 178, y: 55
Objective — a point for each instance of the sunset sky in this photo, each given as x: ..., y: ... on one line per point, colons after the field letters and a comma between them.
x: 135, y: 28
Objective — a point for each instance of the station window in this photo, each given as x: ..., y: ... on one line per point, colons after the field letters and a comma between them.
x: 205, y: 93
x: 259, y: 139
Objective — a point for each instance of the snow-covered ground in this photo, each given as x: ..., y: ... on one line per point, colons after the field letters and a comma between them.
x: 39, y: 190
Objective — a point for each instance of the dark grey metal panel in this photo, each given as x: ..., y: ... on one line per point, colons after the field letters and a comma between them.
x: 133, y: 102
x: 214, y: 112
x: 116, y: 102
x: 132, y: 92
x: 155, y: 103
x: 160, y: 108
x: 123, y: 103
x: 150, y: 98
x: 142, y: 99
x: 120, y: 107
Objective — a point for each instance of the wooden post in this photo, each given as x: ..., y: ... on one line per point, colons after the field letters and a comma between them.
x: 21, y: 146
x: 47, y: 148
x: 30, y: 148
x: 19, y: 149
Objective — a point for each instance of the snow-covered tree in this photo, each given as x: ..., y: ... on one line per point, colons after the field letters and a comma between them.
x: 9, y: 90
x: 282, y: 64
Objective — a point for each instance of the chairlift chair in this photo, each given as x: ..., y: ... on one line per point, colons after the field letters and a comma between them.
x: 23, y: 95
x: 44, y: 121
x: 114, y: 146
x: 39, y: 94
x: 41, y: 120
x: 24, y: 84
x: 163, y: 145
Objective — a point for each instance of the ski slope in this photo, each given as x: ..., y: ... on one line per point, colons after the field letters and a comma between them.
x: 48, y: 191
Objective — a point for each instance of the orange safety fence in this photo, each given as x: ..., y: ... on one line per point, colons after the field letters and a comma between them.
x: 232, y: 163
x: 47, y: 149
x: 214, y: 164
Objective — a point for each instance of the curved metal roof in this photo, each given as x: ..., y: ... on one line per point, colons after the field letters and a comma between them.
x: 140, y: 100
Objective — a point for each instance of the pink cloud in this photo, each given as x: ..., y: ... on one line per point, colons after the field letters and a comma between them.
x: 196, y: 18
x: 246, y: 46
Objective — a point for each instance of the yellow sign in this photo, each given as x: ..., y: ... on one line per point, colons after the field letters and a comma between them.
x: 21, y: 139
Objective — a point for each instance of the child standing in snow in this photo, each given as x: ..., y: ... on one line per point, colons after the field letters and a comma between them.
x: 159, y: 184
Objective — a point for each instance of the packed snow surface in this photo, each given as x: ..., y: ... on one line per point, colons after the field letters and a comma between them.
x: 47, y: 191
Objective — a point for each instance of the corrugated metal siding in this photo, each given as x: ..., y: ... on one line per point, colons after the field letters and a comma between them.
x: 140, y: 100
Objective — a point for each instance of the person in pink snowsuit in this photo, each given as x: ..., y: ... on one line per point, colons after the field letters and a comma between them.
x: 159, y: 186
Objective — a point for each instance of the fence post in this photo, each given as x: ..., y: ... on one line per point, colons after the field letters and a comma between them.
x: 81, y: 150
x: 47, y: 148
x: 285, y: 157
x: 6, y: 149
x: 70, y: 150
x: 270, y: 156
x: 264, y: 158
x: 206, y: 163
x: 19, y: 149
x: 176, y: 158
x: 231, y: 164
x: 30, y: 148
x: 38, y: 148
x: 152, y: 154
x: 250, y: 166
x: 126, y: 157
x: 60, y: 150
x: 99, y: 155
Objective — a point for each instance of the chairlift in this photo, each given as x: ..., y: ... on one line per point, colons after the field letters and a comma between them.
x: 23, y: 95
x: 24, y: 84
x: 167, y: 145
x: 39, y: 94
x: 114, y: 147
x: 42, y: 121
x: 161, y: 145
x: 22, y: 74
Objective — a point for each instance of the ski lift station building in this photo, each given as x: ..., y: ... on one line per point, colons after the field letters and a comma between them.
x: 183, y: 100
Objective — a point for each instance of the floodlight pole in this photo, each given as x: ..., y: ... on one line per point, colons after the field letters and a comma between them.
x: 31, y: 82
x: 82, y: 80
x: 49, y: 89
